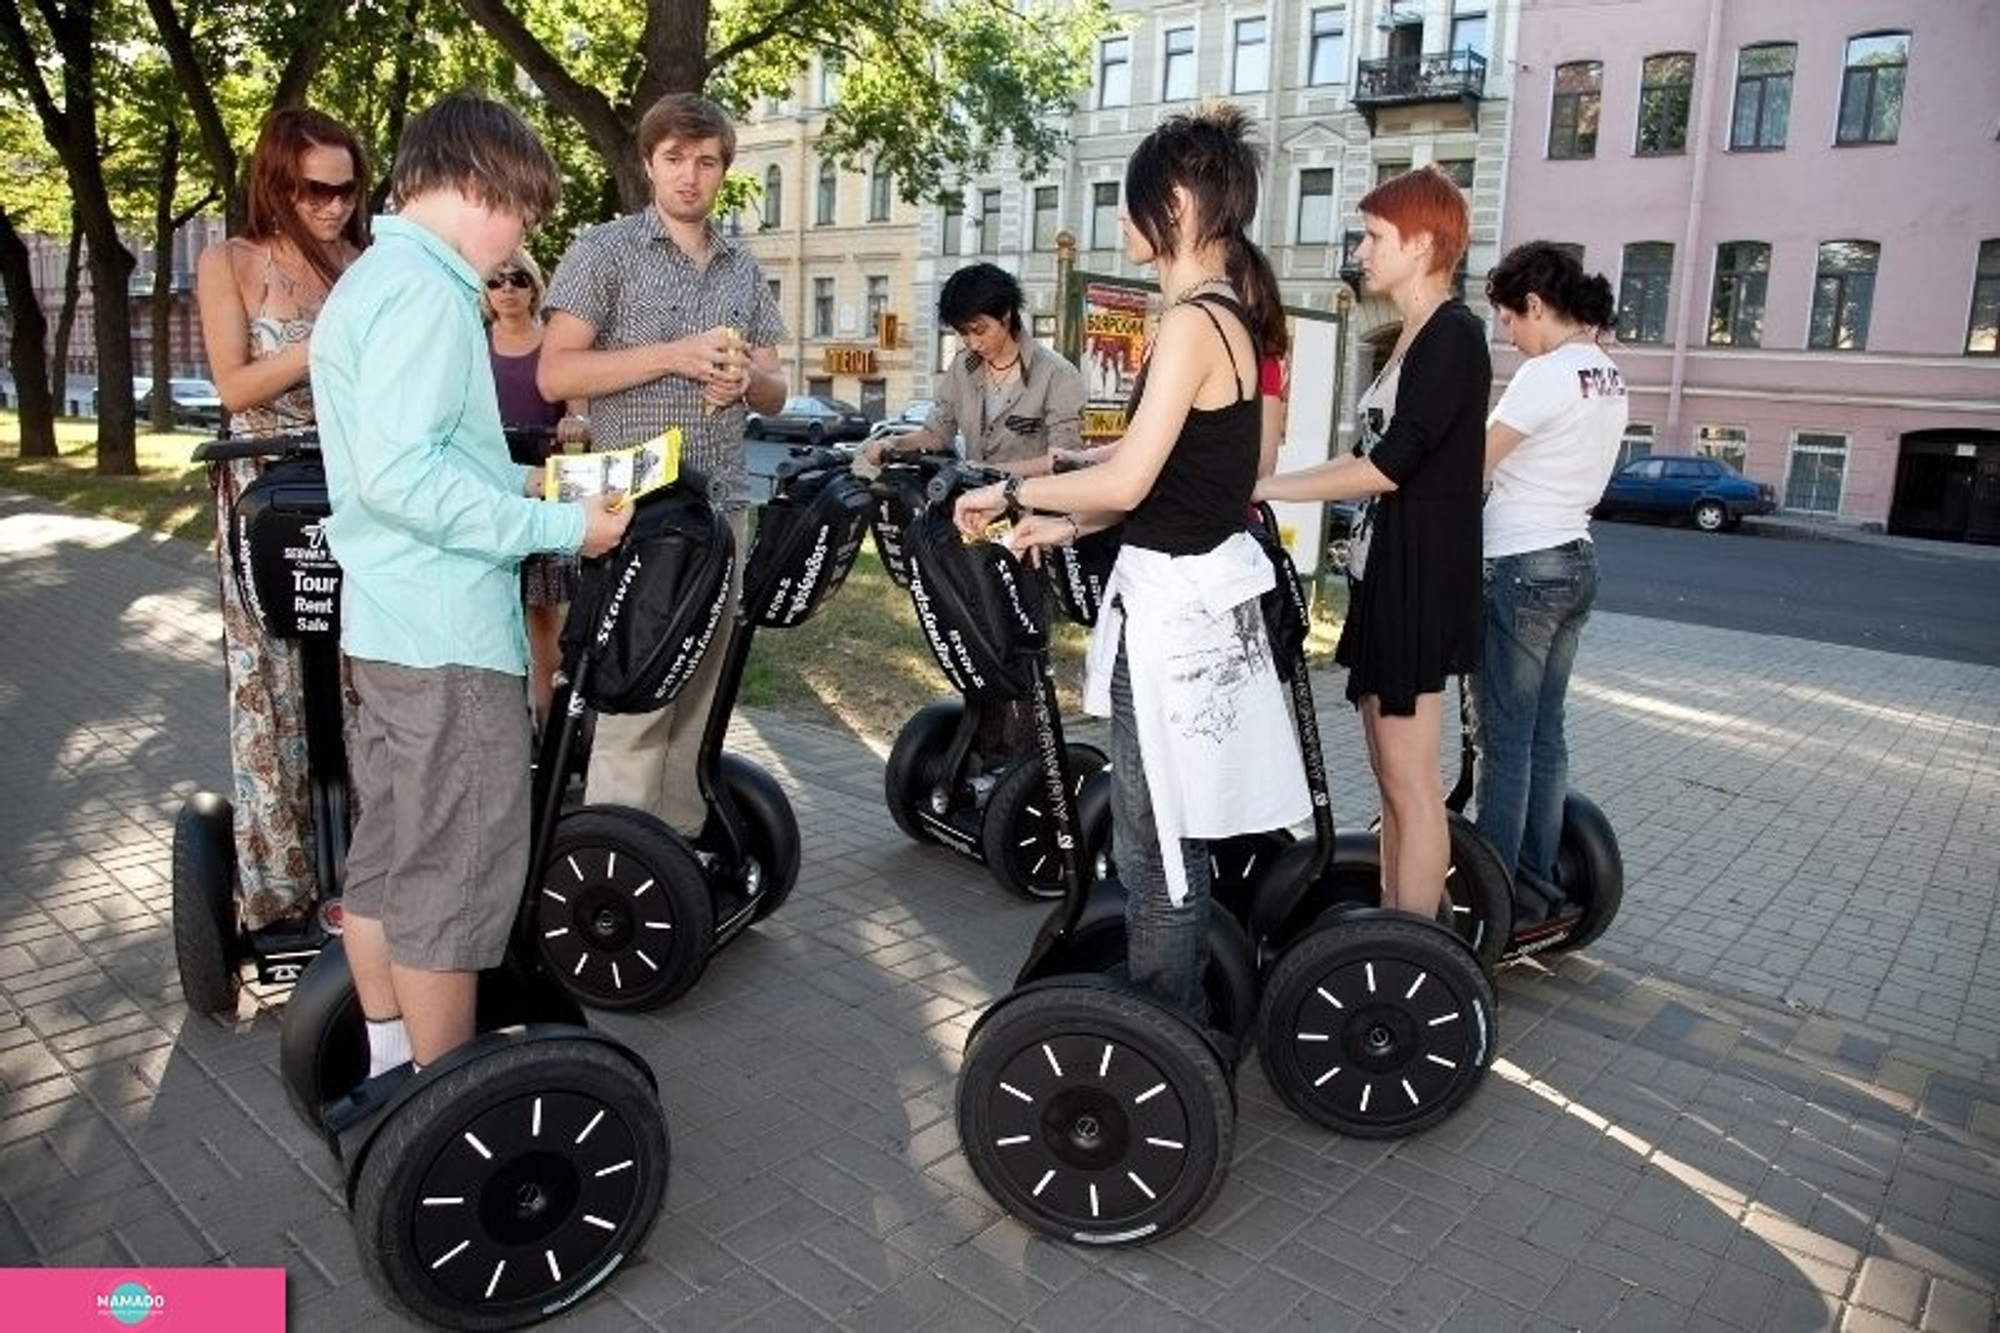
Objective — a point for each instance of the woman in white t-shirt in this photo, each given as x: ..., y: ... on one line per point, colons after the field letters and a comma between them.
x: 1551, y: 444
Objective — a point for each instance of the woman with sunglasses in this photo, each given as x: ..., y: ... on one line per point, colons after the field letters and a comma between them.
x: 513, y: 309
x: 259, y: 293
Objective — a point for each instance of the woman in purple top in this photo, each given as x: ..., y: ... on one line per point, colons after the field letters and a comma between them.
x: 513, y: 306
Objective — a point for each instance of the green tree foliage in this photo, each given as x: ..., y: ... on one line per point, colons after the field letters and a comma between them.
x: 931, y: 91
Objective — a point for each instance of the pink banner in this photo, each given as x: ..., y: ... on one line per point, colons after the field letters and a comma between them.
x: 105, y: 1300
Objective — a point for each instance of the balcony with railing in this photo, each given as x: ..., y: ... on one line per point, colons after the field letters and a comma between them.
x: 1414, y: 80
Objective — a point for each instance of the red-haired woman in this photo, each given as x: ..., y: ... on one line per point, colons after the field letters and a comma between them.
x: 259, y: 294
x: 1414, y: 606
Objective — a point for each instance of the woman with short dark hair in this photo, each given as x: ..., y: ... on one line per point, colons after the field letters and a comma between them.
x: 1551, y: 444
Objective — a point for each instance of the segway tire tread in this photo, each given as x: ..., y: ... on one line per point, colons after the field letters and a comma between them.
x: 204, y: 898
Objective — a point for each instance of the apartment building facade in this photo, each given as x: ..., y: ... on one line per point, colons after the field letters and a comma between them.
x: 1798, y: 203
x: 1344, y: 94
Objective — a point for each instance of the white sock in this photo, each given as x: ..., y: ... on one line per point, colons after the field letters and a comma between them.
x: 388, y: 1045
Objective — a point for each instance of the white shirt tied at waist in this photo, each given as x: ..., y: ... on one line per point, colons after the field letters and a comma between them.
x: 1221, y: 753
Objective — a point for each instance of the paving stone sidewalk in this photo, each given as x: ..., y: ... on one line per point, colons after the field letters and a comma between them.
x: 1767, y: 1099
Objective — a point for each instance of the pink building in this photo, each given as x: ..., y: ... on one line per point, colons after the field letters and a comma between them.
x: 1798, y: 204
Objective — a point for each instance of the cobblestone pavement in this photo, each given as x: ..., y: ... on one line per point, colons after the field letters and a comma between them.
x: 1767, y: 1099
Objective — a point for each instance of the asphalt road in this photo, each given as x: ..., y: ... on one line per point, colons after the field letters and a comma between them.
x: 1902, y: 597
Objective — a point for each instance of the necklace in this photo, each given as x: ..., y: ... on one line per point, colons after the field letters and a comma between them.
x: 1189, y: 292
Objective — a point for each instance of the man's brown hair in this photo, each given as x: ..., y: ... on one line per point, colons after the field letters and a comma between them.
x: 482, y: 147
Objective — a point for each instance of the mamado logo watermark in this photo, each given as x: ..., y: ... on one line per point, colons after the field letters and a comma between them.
x: 131, y: 1302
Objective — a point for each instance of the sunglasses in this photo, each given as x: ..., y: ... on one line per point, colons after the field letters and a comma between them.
x: 518, y: 280
x: 328, y: 192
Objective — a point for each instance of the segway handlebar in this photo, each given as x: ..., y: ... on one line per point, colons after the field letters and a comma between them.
x: 800, y: 460
x: 955, y: 475
x: 291, y: 444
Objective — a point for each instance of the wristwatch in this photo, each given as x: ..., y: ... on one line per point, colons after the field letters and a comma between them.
x: 1010, y: 491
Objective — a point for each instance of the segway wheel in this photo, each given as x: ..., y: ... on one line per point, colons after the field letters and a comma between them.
x: 1590, y: 870
x: 623, y: 914
x: 1094, y: 1115
x: 1235, y: 864
x: 1019, y: 835
x: 1478, y: 904
x: 1376, y: 1026
x: 323, y: 1035
x: 205, y: 924
x: 771, y: 831
x: 512, y: 1185
x: 914, y: 764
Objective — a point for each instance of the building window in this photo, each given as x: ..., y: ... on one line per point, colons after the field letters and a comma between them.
x: 1731, y: 444
x: 1638, y: 442
x: 1579, y: 88
x: 1843, y: 295
x: 1982, y: 331
x: 1114, y: 72
x: 829, y: 194
x: 878, y: 303
x: 1736, y: 312
x: 1326, y: 59
x: 1043, y: 328
x: 1047, y: 216
x: 951, y: 239
x: 1104, y: 216
x: 1468, y: 32
x: 1315, y: 221
x: 777, y: 290
x: 1250, y: 70
x: 1871, y: 90
x: 1459, y: 169
x: 1387, y: 171
x: 822, y: 307
x: 1666, y: 87
x: 1642, y: 292
x: 774, y: 196
x: 1177, y: 61
x: 881, y: 186
x: 1818, y: 466
x: 989, y: 221
x: 829, y: 80
x: 1763, y: 95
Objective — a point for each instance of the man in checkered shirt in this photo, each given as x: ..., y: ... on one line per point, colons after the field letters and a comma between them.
x: 660, y: 320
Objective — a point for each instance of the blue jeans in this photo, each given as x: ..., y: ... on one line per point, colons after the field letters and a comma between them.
x: 1536, y: 606
x: 1166, y: 947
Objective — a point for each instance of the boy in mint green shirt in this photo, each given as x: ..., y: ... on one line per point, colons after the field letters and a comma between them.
x: 430, y: 522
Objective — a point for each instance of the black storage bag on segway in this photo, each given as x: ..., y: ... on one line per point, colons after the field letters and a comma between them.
x: 900, y: 500
x: 979, y: 607
x: 653, y: 604
x: 1078, y: 572
x: 283, y: 568
x: 806, y: 543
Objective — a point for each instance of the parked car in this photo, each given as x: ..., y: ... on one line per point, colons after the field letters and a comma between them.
x: 812, y: 419
x: 1707, y: 490
x: 906, y: 422
x: 196, y: 404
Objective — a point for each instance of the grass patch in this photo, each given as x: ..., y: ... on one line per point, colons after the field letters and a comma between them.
x: 860, y: 664
x: 170, y: 495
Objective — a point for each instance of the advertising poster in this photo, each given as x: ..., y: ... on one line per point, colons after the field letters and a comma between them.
x: 1112, y: 350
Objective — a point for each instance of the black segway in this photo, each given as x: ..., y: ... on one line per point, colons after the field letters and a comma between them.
x: 277, y: 554
x: 627, y: 911
x: 1590, y: 870
x: 938, y: 782
x: 508, y: 1180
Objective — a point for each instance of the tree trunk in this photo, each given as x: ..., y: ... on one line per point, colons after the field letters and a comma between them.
x: 30, y: 355
x: 673, y: 56
x: 161, y: 321
x: 66, y: 318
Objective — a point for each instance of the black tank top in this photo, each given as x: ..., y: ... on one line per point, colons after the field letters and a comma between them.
x: 1200, y: 496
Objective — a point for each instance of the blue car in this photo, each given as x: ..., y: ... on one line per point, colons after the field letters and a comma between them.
x: 1707, y: 490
